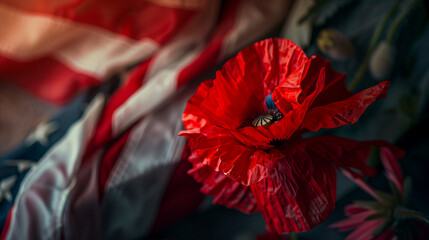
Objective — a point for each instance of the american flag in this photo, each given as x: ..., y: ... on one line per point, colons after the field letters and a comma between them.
x: 108, y: 165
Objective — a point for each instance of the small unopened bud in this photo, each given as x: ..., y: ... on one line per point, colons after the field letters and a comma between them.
x: 382, y: 60
x: 334, y: 44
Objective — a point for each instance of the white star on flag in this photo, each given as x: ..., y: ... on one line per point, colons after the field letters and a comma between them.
x: 5, y: 188
x: 41, y: 134
x: 20, y: 164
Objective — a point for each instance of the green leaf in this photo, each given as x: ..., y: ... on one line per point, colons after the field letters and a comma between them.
x: 409, y: 213
x: 378, y: 215
x: 386, y: 198
x: 406, y: 192
x: 409, y: 104
x: 374, y: 205
x: 395, y: 192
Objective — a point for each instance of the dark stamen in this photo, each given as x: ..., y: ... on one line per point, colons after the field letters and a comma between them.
x: 249, y: 120
x: 276, y: 114
x: 277, y: 142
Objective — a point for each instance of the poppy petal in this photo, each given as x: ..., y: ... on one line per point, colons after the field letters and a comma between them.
x: 193, y: 118
x: 335, y: 89
x: 342, y: 152
x: 232, y: 158
x: 299, y: 193
x: 346, y: 153
x: 225, y: 191
x: 343, y: 112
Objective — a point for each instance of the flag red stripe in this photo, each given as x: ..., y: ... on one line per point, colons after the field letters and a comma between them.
x: 46, y: 78
x: 134, y: 19
x: 6, y: 224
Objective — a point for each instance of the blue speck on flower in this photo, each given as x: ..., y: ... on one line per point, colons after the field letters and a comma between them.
x: 269, y: 102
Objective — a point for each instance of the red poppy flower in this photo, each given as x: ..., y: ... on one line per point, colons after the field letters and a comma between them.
x: 244, y: 129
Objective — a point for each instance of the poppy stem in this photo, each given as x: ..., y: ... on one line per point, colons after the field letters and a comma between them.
x: 408, y: 213
x: 399, y: 19
x: 293, y: 236
x: 374, y: 40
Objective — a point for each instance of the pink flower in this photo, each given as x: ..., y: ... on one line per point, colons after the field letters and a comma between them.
x: 389, y: 216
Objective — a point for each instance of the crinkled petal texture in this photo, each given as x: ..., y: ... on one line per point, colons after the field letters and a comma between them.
x: 292, y: 181
x: 300, y: 191
x: 225, y: 191
x: 297, y: 195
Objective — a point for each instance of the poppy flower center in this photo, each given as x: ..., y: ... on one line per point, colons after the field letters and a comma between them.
x: 263, y: 120
x: 272, y: 115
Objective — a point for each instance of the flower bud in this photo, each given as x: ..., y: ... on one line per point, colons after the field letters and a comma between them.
x: 381, y: 61
x: 334, y: 44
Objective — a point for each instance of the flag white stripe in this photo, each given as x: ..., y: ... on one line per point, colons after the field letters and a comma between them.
x: 254, y: 19
x: 83, y: 48
x: 82, y: 212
